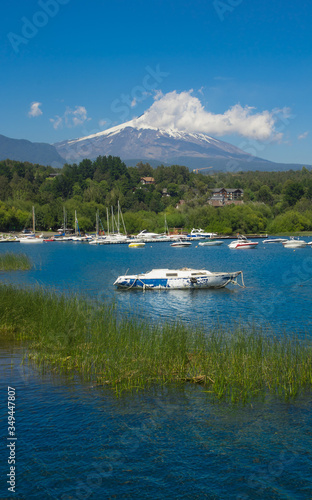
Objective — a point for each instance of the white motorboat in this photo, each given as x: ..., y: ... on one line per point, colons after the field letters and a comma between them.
x: 99, y: 240
x: 200, y: 233
x: 181, y: 243
x: 275, y: 240
x: 174, y: 279
x: 293, y: 243
x: 31, y: 240
x: 210, y: 243
x: 242, y: 243
x: 147, y: 235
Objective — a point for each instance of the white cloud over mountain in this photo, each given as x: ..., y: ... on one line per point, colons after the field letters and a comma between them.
x: 71, y: 118
x: 35, y: 110
x: 184, y: 112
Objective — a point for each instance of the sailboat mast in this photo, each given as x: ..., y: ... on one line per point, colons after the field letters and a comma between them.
x: 97, y: 223
x: 113, y: 227
x: 64, y: 210
x: 76, y: 231
x: 166, y: 226
x: 118, y: 221
x: 107, y: 221
x: 122, y: 219
x: 33, y: 218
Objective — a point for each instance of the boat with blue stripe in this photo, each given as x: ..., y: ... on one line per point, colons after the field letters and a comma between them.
x: 175, y: 279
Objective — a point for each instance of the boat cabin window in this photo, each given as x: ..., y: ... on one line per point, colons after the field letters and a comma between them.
x: 198, y: 274
x: 171, y: 274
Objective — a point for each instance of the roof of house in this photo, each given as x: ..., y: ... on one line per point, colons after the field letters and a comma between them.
x: 217, y: 190
x: 148, y: 179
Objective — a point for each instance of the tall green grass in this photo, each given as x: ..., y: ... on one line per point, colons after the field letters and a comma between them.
x: 10, y: 261
x: 72, y: 335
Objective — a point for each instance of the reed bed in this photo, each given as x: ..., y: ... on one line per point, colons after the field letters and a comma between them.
x: 75, y: 336
x: 14, y: 262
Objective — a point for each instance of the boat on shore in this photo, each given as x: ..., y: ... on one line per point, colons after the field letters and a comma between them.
x: 32, y: 238
x: 146, y: 234
x: 200, y: 234
x: 9, y: 239
x: 175, y: 279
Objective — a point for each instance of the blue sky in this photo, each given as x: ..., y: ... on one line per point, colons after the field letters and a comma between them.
x: 239, y: 70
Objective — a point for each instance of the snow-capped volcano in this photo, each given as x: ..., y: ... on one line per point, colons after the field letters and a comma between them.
x: 136, y: 140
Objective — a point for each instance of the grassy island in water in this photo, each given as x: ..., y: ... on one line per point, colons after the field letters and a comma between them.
x: 10, y: 261
x: 75, y: 336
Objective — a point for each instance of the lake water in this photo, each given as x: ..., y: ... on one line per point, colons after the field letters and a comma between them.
x: 76, y: 441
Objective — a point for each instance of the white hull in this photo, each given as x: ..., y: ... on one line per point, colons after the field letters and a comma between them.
x: 295, y: 244
x: 176, y: 279
x: 200, y: 234
x: 31, y: 240
x: 212, y: 243
x: 275, y: 240
x: 180, y: 244
x: 242, y: 245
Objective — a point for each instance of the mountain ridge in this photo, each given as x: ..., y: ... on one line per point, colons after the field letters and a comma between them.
x: 34, y: 152
x: 136, y: 142
x: 134, y: 139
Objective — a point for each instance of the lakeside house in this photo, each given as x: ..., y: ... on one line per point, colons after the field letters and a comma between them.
x: 222, y: 196
x: 147, y: 180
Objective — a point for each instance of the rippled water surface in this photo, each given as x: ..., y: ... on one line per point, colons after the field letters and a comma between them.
x: 278, y: 281
x: 77, y: 441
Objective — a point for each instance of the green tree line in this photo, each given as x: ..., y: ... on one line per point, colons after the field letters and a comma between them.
x: 273, y: 201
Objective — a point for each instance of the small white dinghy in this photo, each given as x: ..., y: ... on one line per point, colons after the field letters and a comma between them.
x: 175, y: 279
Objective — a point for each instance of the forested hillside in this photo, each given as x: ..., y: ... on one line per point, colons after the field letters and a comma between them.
x: 273, y: 201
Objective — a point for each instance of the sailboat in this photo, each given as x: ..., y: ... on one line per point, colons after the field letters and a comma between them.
x: 78, y: 236
x: 62, y: 237
x: 31, y: 238
x: 98, y: 239
x: 117, y: 236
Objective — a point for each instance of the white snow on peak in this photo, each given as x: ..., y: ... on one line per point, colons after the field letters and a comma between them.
x: 139, y: 124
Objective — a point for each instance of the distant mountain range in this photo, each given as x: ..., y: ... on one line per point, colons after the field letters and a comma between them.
x: 33, y: 152
x: 134, y: 141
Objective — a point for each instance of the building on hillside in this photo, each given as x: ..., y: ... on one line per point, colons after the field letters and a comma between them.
x: 165, y: 193
x: 180, y: 203
x: 147, y: 180
x: 223, y: 196
x: 52, y: 176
